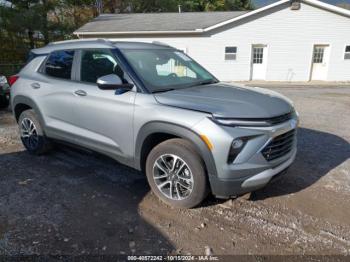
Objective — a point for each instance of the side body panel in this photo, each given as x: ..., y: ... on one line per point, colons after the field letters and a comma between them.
x: 104, y: 121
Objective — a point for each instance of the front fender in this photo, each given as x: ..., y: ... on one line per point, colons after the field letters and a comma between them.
x: 179, y: 131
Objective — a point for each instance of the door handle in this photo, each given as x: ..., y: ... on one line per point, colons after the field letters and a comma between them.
x: 80, y: 93
x: 35, y: 85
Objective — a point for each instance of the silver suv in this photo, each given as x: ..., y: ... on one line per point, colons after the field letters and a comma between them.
x: 151, y: 107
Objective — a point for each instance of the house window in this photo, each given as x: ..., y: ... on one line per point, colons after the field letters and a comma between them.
x: 230, y: 53
x: 318, y: 55
x: 258, y: 55
x: 347, y: 52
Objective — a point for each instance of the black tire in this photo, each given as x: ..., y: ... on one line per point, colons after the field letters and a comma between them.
x: 186, y: 151
x: 4, y: 102
x: 42, y: 144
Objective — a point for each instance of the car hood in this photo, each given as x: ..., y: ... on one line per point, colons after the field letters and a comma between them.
x: 231, y: 101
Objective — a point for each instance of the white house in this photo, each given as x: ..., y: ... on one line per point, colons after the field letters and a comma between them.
x: 290, y: 40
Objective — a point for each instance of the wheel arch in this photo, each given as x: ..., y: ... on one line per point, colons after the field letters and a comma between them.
x: 169, y: 130
x: 22, y: 103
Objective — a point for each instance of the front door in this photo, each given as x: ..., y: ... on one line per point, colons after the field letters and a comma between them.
x: 320, y: 62
x: 104, y: 118
x: 259, y: 62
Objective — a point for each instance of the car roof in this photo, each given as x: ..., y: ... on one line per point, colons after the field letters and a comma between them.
x: 97, y: 43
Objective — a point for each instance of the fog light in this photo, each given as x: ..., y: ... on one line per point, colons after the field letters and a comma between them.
x: 236, y: 147
x: 238, y: 143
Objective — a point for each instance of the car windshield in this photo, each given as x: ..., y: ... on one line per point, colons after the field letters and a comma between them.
x: 167, y: 69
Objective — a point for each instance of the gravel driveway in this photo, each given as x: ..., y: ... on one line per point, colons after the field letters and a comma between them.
x: 72, y: 202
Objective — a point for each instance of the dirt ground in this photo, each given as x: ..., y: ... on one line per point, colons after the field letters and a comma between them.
x: 72, y: 202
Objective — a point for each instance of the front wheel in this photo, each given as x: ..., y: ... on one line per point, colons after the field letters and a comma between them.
x: 176, y: 174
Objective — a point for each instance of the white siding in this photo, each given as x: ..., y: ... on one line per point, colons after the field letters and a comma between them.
x: 290, y: 36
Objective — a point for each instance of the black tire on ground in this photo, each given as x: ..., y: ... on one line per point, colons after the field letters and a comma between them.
x: 186, y: 151
x: 43, y: 144
x: 4, y: 102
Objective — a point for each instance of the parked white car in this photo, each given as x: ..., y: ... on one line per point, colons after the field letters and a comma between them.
x: 4, y: 92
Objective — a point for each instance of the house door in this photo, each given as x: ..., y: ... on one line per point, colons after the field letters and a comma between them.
x: 320, y: 62
x: 259, y: 62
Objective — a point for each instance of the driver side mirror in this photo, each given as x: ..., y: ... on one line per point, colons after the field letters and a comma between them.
x: 113, y: 82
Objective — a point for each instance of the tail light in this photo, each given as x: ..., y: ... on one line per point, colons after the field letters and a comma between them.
x: 12, y: 79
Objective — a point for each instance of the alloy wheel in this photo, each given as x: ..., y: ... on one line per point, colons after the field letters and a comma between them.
x: 173, y: 177
x: 29, y: 134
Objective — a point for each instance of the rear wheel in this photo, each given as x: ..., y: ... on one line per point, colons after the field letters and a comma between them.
x: 176, y: 174
x: 32, y: 134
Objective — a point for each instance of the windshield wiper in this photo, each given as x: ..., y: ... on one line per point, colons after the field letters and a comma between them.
x: 163, y: 90
x: 204, y: 82
x: 207, y: 82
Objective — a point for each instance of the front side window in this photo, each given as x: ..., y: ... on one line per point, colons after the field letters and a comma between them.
x: 59, y: 64
x: 97, y: 63
x: 230, y: 53
x: 347, y: 52
x: 162, y: 69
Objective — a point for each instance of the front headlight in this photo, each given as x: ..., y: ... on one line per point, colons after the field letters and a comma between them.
x: 254, y: 122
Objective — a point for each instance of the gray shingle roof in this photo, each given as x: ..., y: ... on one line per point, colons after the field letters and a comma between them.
x: 187, y: 21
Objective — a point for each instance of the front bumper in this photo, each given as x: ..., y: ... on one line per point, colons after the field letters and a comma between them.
x: 223, y: 188
x: 250, y: 170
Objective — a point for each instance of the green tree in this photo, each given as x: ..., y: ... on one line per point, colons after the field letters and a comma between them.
x: 27, y: 24
x: 148, y: 6
x: 239, y: 5
x: 214, y: 5
x: 203, y: 5
x: 68, y: 15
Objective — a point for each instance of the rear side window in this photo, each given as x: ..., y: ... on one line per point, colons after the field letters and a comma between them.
x: 59, y: 64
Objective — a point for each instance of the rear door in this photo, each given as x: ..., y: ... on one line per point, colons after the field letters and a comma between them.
x: 54, y: 94
x: 104, y: 118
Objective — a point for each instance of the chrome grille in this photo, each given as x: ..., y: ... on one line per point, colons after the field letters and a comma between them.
x: 279, y: 146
